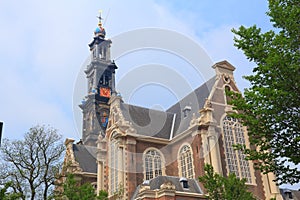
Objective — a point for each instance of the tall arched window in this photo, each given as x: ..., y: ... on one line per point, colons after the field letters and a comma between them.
x: 236, y: 162
x: 185, y: 161
x: 153, y: 164
x: 114, y: 166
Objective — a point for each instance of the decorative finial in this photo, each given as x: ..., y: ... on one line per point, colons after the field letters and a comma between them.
x: 99, y: 17
x: 100, y: 31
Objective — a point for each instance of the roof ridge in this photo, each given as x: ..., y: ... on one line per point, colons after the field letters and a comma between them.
x: 138, y: 106
x: 205, y: 83
x: 172, y: 177
x: 168, y: 109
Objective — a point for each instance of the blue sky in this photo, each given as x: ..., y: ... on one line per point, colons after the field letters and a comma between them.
x: 43, y: 45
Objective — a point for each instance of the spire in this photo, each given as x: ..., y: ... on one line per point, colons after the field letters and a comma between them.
x: 100, y: 31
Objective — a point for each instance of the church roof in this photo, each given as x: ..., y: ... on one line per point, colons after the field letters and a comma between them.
x: 86, y: 157
x: 157, y: 182
x: 290, y: 194
x: 148, y: 122
x: 194, y: 101
x: 155, y: 123
x: 193, y: 186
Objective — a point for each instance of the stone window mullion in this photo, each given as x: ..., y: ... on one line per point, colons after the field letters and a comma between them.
x: 185, y: 162
x: 152, y: 164
x: 234, y: 134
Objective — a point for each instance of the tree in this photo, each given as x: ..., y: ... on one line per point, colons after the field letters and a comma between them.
x: 224, y: 188
x: 73, y: 191
x: 5, y: 194
x: 32, y: 163
x: 270, y: 107
x: 102, y: 195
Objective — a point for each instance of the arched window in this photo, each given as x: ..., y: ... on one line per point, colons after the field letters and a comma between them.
x: 153, y: 164
x: 236, y: 162
x: 186, y: 168
x: 114, y: 166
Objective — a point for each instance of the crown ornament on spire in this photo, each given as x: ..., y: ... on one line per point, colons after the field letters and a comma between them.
x: 100, y: 31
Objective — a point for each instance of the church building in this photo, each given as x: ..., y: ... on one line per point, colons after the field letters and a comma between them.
x: 138, y: 153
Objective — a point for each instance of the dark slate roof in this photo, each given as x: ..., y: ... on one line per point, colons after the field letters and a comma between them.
x: 148, y: 122
x: 285, y: 194
x: 155, y: 183
x: 158, y: 124
x: 86, y: 157
x: 195, y: 100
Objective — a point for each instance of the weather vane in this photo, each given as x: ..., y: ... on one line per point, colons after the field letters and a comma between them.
x: 99, y: 17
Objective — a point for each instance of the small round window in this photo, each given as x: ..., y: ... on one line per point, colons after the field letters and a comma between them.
x: 226, y: 79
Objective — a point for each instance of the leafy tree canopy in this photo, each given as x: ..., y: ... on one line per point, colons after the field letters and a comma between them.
x: 72, y: 190
x: 270, y: 107
x: 224, y: 188
x: 5, y: 194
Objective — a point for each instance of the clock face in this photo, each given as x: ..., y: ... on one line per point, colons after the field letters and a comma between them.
x: 105, y: 92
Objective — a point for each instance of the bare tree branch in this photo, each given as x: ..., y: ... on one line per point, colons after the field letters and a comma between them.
x: 32, y: 163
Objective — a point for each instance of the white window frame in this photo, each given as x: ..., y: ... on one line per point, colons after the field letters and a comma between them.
x: 116, y: 164
x: 185, y: 161
x: 152, y: 168
x: 234, y: 133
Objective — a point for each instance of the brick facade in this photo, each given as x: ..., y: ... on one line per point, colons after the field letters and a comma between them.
x: 195, y: 121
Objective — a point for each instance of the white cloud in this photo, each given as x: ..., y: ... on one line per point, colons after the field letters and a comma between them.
x: 220, y: 46
x: 22, y: 107
x: 43, y: 45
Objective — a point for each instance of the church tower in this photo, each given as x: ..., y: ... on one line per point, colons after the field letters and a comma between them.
x: 100, y: 73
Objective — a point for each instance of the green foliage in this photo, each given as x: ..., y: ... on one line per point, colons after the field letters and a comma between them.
x: 102, y: 195
x: 73, y: 191
x: 213, y: 183
x: 9, y: 195
x: 270, y: 107
x: 222, y: 188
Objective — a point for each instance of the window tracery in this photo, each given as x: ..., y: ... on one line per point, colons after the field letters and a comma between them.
x: 236, y: 162
x: 153, y: 164
x: 186, y: 168
x: 114, y: 166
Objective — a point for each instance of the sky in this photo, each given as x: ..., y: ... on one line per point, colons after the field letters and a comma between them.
x: 44, y: 46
